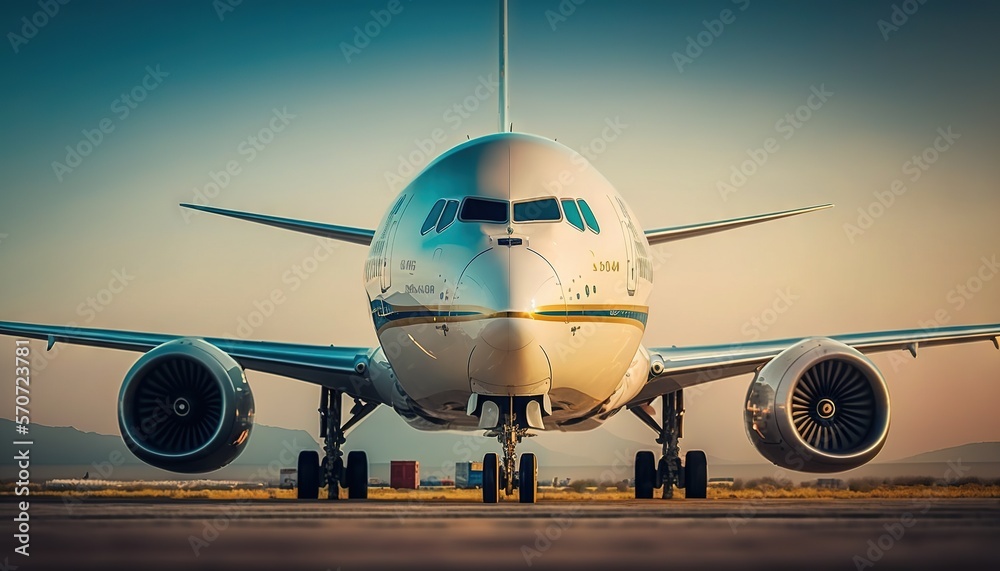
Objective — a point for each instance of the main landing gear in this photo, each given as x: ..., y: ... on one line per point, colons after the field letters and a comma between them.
x: 333, y: 472
x: 668, y: 472
x: 499, y: 473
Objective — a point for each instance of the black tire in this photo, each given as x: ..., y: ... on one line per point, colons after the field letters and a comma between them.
x: 357, y: 475
x: 695, y: 475
x: 661, y: 472
x: 491, y: 480
x: 308, y: 475
x: 645, y: 474
x: 339, y: 476
x: 527, y: 474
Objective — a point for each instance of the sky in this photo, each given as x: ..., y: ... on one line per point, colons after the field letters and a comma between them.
x: 115, y: 112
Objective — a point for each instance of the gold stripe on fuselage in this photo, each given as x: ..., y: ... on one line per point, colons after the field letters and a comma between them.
x: 560, y: 314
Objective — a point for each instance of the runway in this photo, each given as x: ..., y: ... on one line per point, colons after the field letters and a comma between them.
x: 684, y: 534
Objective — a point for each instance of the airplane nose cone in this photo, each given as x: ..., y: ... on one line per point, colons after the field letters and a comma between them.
x: 507, y: 286
x: 508, y: 334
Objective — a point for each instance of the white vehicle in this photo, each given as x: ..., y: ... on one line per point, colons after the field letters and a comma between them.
x: 503, y: 305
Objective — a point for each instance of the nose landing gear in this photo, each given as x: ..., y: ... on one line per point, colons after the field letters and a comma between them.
x: 504, y: 473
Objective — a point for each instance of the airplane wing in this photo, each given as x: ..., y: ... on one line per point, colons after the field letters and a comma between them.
x: 324, y: 365
x: 689, y: 366
x: 350, y: 234
x: 674, y: 233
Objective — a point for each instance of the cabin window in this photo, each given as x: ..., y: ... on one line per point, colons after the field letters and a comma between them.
x: 432, y: 218
x: 588, y: 216
x: 448, y: 216
x: 573, y: 214
x: 484, y: 210
x: 539, y: 210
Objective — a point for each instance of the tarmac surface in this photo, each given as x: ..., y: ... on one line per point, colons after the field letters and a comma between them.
x: 148, y: 535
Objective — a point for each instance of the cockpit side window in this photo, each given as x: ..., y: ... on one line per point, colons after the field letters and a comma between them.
x: 432, y: 218
x: 448, y: 216
x: 588, y: 216
x: 485, y: 210
x: 537, y: 210
x: 572, y: 214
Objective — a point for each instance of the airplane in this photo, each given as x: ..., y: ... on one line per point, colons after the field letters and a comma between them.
x: 508, y: 284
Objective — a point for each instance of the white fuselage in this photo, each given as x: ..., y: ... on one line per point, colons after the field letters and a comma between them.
x: 510, y: 266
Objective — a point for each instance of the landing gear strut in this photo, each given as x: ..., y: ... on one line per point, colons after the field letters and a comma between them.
x: 669, y: 472
x: 503, y: 473
x: 332, y: 472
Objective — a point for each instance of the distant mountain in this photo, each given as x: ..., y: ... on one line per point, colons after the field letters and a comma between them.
x: 65, y: 445
x: 436, y: 451
x: 969, y: 453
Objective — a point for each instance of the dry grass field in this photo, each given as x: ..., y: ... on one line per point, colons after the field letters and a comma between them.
x: 971, y: 490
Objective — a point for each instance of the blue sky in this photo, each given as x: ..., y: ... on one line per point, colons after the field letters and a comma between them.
x: 347, y: 125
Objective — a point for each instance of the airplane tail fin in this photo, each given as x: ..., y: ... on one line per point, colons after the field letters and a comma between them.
x: 504, y: 94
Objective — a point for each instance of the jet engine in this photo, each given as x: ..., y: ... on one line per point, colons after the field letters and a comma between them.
x: 186, y: 407
x: 819, y: 406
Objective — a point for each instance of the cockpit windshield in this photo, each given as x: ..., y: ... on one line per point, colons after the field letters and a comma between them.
x: 496, y: 211
x: 484, y: 210
x: 539, y: 210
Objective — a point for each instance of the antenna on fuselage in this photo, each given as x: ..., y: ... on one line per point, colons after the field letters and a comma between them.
x: 504, y: 95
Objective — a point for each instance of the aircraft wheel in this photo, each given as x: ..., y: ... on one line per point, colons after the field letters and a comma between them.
x: 357, y: 475
x: 308, y: 475
x: 645, y: 474
x: 662, y: 469
x: 491, y: 481
x: 695, y: 475
x: 528, y: 476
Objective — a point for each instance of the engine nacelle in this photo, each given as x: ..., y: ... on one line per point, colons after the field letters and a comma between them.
x: 819, y: 406
x: 186, y: 407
